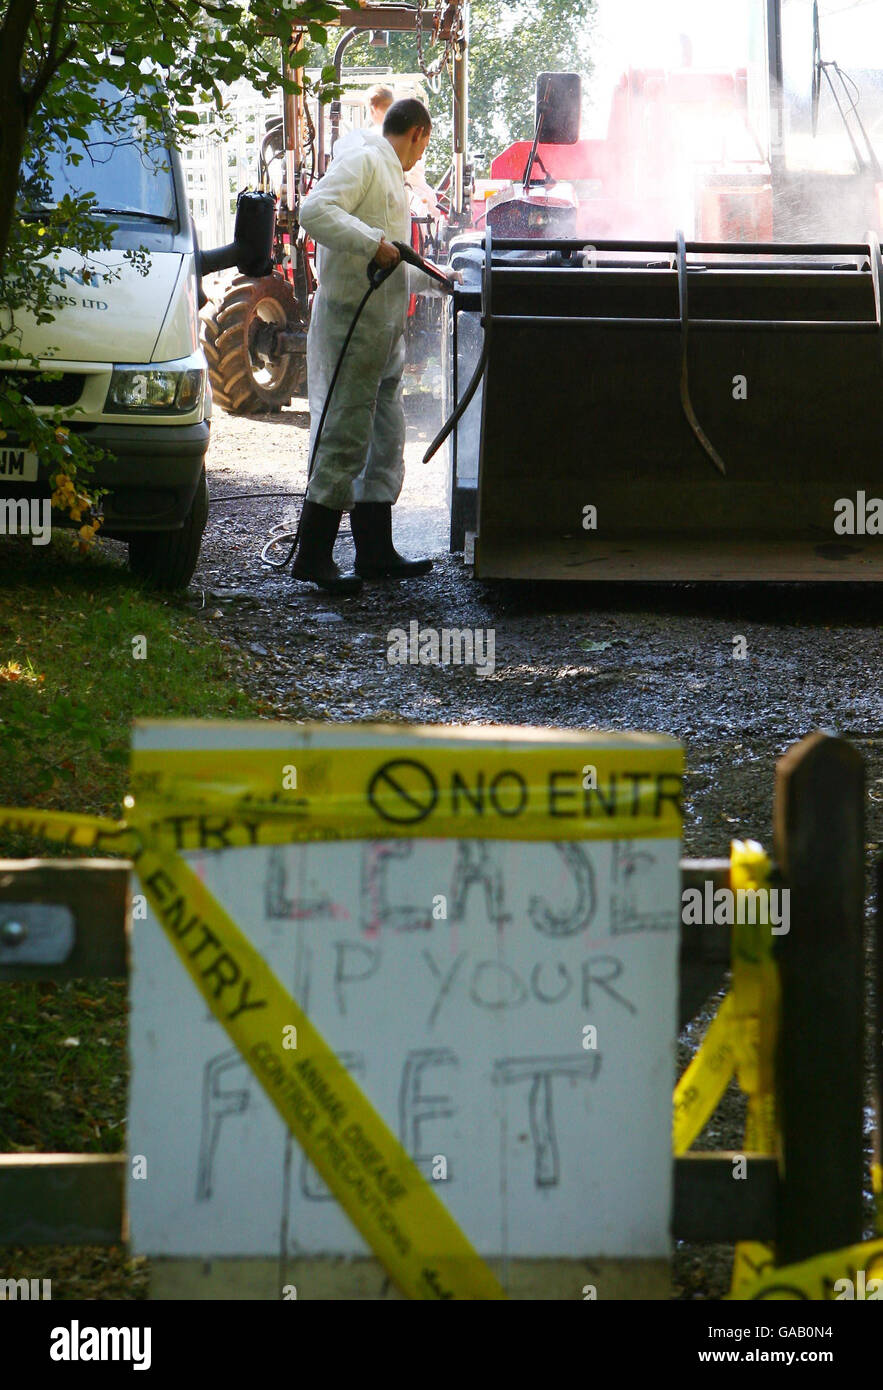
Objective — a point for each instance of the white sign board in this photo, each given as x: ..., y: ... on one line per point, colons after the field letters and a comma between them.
x: 508, y: 1007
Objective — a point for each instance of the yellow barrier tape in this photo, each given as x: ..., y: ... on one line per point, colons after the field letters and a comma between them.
x: 79, y: 832
x: 370, y: 1173
x: 756, y: 993
x: 854, y: 1273
x: 200, y: 800
x: 741, y: 1036
x: 183, y: 803
x: 834, y: 1275
x: 740, y: 1039
x: 363, y: 1163
x: 755, y: 990
x: 185, y: 799
x: 698, y: 1093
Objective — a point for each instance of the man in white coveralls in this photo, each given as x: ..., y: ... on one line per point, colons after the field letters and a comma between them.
x: 354, y: 214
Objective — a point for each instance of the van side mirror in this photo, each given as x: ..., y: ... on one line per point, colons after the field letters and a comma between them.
x: 559, y: 97
x: 251, y: 250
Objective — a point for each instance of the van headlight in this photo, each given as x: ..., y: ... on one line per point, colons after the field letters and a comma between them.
x: 151, y: 389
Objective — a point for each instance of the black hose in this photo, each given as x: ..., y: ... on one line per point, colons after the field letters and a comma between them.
x: 346, y: 342
x: 245, y: 496
x: 463, y: 402
x: 487, y: 320
x: 280, y: 564
x: 376, y: 276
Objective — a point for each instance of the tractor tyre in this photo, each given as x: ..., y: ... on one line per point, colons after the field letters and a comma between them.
x: 246, y: 376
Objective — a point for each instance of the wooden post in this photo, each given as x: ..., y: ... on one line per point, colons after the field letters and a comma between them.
x: 62, y: 1199
x: 96, y: 894
x: 819, y: 845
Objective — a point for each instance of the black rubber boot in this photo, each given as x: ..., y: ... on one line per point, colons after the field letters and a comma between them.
x: 314, y: 559
x: 376, y: 556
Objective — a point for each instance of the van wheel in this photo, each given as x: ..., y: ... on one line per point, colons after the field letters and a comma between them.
x: 167, y: 559
x: 246, y: 373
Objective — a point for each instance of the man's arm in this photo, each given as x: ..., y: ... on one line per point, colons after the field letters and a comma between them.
x: 327, y: 214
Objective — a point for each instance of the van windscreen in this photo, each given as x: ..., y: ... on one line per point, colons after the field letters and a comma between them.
x: 127, y: 173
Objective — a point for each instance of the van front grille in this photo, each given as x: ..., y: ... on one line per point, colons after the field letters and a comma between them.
x: 64, y: 390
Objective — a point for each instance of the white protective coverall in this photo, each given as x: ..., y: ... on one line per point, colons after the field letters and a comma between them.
x: 416, y: 182
x: 361, y: 198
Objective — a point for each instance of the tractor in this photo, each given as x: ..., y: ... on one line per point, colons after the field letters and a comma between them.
x: 255, y: 336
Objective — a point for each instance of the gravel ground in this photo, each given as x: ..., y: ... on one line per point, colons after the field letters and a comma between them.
x: 571, y: 656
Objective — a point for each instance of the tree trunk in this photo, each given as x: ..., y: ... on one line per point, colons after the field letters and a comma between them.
x: 13, y: 123
x: 12, y: 140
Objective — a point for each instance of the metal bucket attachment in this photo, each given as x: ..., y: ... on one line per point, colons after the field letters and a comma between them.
x: 662, y: 411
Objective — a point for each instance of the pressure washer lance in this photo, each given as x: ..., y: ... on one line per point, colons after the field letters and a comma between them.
x: 376, y: 276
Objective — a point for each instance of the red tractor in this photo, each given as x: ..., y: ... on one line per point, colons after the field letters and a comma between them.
x: 679, y: 152
x: 775, y: 151
x: 255, y: 339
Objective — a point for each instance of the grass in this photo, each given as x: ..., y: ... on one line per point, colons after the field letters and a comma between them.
x: 70, y: 687
x: 70, y: 684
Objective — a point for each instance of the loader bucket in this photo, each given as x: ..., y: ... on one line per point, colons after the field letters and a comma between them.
x: 662, y: 411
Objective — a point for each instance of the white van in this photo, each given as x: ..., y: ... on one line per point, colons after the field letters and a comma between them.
x: 127, y: 345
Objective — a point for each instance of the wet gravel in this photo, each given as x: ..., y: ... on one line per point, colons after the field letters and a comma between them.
x: 611, y: 657
x: 592, y: 657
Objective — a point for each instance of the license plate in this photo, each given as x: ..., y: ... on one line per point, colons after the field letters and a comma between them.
x: 18, y: 465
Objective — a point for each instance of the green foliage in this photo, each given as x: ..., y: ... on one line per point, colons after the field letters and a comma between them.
x: 172, y: 53
x: 510, y: 45
x: 39, y: 734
